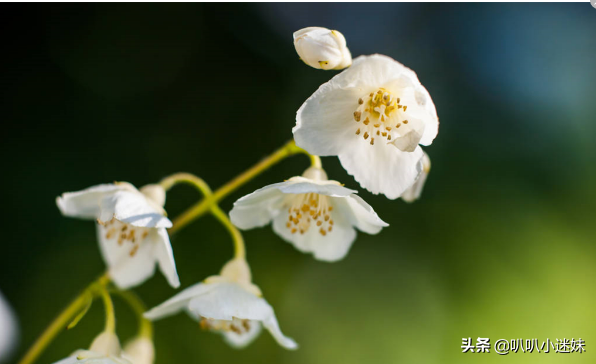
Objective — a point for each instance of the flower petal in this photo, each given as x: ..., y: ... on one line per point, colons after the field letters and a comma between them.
x: 299, y: 185
x: 179, y: 301
x: 133, y: 208
x: 324, y: 123
x: 242, y: 340
x: 382, y: 168
x: 256, y: 209
x: 330, y: 247
x: 8, y: 329
x: 165, y: 257
x: 360, y: 214
x: 271, y: 324
x: 228, y: 300
x: 85, y: 204
x: 128, y: 266
x: 413, y: 192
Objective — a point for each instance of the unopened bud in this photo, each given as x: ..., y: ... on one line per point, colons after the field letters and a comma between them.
x: 322, y: 48
x: 139, y: 351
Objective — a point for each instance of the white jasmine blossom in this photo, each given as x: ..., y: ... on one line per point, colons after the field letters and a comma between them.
x: 413, y: 193
x: 314, y: 214
x: 372, y: 116
x: 131, y: 229
x: 229, y: 304
x: 105, y: 349
x: 8, y: 329
x: 322, y: 48
x: 139, y: 351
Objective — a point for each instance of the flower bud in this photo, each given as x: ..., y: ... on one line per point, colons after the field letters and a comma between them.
x: 139, y: 351
x: 107, y: 344
x: 155, y: 193
x: 322, y: 48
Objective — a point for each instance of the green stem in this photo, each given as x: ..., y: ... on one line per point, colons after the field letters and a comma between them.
x: 239, y: 248
x: 61, y: 322
x: 109, y: 308
x: 145, y: 326
x: 203, y: 206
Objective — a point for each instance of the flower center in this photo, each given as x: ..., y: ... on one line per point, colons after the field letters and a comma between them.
x: 239, y: 326
x: 123, y: 233
x: 378, y: 115
x: 307, y: 209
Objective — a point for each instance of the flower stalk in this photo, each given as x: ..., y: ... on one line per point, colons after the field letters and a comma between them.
x: 204, y: 205
x: 62, y: 321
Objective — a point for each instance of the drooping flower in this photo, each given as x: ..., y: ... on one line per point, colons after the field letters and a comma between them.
x: 322, y: 48
x: 413, y: 193
x: 105, y: 349
x: 131, y: 229
x: 372, y: 116
x: 229, y: 304
x: 314, y: 214
x: 140, y: 350
x: 8, y: 330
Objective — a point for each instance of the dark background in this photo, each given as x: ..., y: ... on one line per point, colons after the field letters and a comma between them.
x: 501, y: 245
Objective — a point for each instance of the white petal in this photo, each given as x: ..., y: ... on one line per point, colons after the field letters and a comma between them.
x: 413, y: 193
x: 325, y: 122
x: 271, y: 324
x: 133, y: 208
x: 382, y: 168
x: 331, y: 247
x: 125, y: 270
x: 69, y: 360
x: 242, y: 340
x: 300, y: 185
x: 139, y: 351
x: 359, y: 214
x: 229, y: 300
x: 106, y: 344
x: 165, y: 257
x: 85, y: 204
x: 8, y: 329
x: 178, y: 302
x: 407, y: 142
x: 256, y: 209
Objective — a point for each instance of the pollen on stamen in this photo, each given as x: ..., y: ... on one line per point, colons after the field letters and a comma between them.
x: 384, y: 133
x: 372, y: 141
x: 405, y: 121
x: 360, y: 101
x: 294, y: 231
x: 377, y: 125
x: 378, y: 132
x: 405, y: 107
x: 365, y: 135
x: 366, y: 121
x: 398, y: 125
x: 358, y: 132
x: 134, y: 250
x: 323, y: 232
x: 357, y: 115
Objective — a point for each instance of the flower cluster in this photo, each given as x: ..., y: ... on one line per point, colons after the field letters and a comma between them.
x: 374, y: 116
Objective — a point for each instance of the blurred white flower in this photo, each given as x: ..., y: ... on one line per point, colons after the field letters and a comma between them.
x: 228, y: 304
x: 140, y: 350
x: 131, y: 229
x: 372, y: 116
x: 413, y: 193
x: 322, y: 48
x: 314, y: 214
x: 105, y: 349
x: 8, y: 329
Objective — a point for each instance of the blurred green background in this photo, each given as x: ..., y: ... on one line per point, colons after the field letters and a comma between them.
x: 501, y: 245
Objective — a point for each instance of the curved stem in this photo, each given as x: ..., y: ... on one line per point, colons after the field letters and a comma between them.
x: 315, y: 161
x: 182, y: 177
x: 239, y: 248
x: 203, y: 206
x: 145, y: 326
x: 109, y: 308
x: 60, y: 322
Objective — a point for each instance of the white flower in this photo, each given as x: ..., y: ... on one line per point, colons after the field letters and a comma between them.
x: 105, y: 349
x: 131, y: 229
x: 413, y: 193
x: 314, y: 214
x: 322, y: 48
x: 372, y: 116
x: 228, y: 304
x: 8, y: 329
x: 139, y: 351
